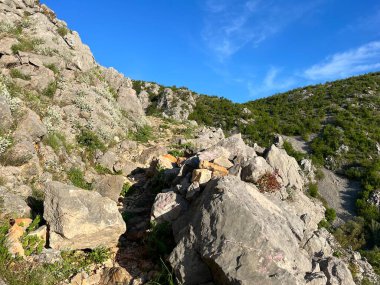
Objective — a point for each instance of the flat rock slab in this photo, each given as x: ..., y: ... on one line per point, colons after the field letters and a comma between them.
x: 80, y: 219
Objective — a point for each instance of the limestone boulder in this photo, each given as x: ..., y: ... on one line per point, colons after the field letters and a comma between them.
x: 286, y: 166
x: 80, y: 219
x: 212, y: 247
x: 148, y: 154
x: 30, y: 127
x: 168, y: 206
x: 202, y: 176
x: 255, y: 169
x: 110, y: 186
x: 336, y: 271
x: 12, y: 205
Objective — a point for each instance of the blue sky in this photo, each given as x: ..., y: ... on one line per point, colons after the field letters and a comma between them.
x: 241, y: 50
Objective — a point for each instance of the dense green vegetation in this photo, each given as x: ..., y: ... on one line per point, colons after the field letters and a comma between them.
x: 341, y: 122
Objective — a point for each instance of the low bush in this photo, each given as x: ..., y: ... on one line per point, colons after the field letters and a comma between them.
x: 268, y: 182
x: 90, y: 140
x: 50, y: 90
x: 126, y: 189
x: 62, y: 31
x: 313, y: 190
x: 143, y: 134
x: 26, y: 44
x: 160, y: 241
x: 76, y: 176
x: 15, y: 73
x: 330, y: 215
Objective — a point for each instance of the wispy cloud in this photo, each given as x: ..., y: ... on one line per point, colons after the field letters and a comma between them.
x: 271, y: 83
x: 362, y: 59
x: 231, y: 25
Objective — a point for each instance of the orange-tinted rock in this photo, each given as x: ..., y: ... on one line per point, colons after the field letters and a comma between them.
x: 12, y: 241
x: 180, y: 160
x: 171, y: 158
x: 217, y: 170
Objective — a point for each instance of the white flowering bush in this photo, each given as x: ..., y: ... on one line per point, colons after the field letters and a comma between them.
x: 13, y: 102
x: 81, y: 103
x: 5, y: 143
x: 53, y: 118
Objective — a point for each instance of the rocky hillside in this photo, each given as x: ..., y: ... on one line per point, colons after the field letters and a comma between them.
x: 105, y: 180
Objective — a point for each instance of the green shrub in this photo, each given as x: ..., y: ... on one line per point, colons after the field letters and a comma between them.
x: 52, y: 67
x: 351, y: 234
x: 143, y: 134
x: 99, y: 255
x: 330, y: 215
x: 126, y: 189
x: 15, y: 73
x: 90, y: 140
x: 292, y: 152
x: 26, y: 44
x: 313, y: 190
x: 32, y: 244
x: 160, y: 241
x: 50, y: 90
x: 62, y: 31
x: 102, y: 170
x: 76, y: 176
x: 55, y: 141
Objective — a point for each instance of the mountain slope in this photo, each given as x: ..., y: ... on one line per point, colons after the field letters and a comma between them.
x: 81, y: 155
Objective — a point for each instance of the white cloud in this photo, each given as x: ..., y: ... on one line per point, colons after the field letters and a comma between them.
x: 270, y: 84
x: 230, y: 25
x: 362, y: 59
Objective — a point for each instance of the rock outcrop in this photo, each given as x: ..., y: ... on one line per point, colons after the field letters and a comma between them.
x: 80, y: 219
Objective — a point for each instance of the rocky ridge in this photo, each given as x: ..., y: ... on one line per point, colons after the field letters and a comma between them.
x: 74, y: 135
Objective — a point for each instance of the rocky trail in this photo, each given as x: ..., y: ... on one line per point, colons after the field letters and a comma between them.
x: 340, y: 194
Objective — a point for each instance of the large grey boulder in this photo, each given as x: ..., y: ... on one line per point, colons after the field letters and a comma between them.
x: 336, y: 271
x: 255, y: 169
x: 148, y: 154
x: 12, y: 205
x: 287, y: 167
x: 30, y: 127
x: 168, y: 206
x: 80, y: 219
x: 205, y: 138
x: 110, y: 186
x: 213, y: 246
x: 129, y: 103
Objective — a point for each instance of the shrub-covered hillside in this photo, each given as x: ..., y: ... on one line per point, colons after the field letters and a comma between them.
x: 341, y: 122
x: 341, y: 119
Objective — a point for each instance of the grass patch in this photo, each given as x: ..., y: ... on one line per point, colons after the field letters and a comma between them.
x: 50, y: 90
x: 313, y: 190
x: 15, y: 73
x: 62, y: 31
x: 76, y: 176
x: 143, y: 134
x: 127, y: 189
x: 55, y: 141
x: 52, y: 67
x: 102, y: 170
x: 16, y: 271
x: 89, y: 140
x: 160, y: 241
x: 26, y: 45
